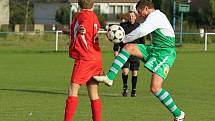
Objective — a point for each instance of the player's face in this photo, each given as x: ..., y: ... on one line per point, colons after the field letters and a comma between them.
x: 132, y: 17
x: 143, y: 12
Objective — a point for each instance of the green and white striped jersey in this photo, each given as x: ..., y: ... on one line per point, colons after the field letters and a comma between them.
x: 159, y: 26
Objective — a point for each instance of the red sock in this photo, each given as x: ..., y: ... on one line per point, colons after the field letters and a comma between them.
x: 71, y: 105
x: 96, y: 107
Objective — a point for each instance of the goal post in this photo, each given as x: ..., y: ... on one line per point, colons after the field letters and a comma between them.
x: 206, y: 40
x: 57, y: 40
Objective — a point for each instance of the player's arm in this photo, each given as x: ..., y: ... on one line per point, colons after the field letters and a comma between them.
x: 82, y: 29
x: 116, y: 47
x: 83, y: 23
x: 145, y: 28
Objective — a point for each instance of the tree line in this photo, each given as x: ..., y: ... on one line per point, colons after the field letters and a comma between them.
x: 200, y: 17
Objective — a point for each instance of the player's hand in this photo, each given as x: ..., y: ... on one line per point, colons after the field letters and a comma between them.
x: 116, y: 53
x: 82, y: 30
x: 123, y: 41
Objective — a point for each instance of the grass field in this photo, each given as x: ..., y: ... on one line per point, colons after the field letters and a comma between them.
x: 34, y: 81
x: 33, y: 87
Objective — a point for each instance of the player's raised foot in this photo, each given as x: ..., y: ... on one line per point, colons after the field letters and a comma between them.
x: 104, y: 79
x: 181, y: 117
x: 133, y: 93
x: 125, y: 92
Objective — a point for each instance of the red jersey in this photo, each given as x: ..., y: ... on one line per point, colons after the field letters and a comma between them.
x: 85, y: 47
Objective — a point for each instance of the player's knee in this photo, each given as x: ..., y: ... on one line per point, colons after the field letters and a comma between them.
x: 134, y: 73
x: 154, y: 89
x: 129, y: 47
x: 73, y: 89
x: 125, y: 71
x: 74, y: 86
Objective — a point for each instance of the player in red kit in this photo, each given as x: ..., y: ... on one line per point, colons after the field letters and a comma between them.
x: 84, y: 48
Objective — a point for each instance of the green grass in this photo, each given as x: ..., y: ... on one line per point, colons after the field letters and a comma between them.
x: 46, y: 42
x: 36, y: 82
x: 34, y: 79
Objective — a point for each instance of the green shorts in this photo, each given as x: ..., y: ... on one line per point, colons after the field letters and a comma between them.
x: 158, y: 60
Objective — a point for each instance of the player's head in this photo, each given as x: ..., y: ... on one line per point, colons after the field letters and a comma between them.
x: 86, y: 4
x: 132, y: 17
x: 144, y: 7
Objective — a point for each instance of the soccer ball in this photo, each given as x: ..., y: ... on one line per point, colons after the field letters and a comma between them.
x: 115, y: 33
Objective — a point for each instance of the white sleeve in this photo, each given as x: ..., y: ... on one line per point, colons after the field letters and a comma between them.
x: 150, y: 24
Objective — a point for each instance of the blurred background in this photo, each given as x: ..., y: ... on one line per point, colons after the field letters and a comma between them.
x: 21, y: 20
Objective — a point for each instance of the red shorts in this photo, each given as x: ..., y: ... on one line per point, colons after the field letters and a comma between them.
x: 84, y: 70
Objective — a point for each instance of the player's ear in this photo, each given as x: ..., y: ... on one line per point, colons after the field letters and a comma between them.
x: 146, y: 8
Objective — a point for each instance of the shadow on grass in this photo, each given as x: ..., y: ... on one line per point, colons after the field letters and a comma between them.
x: 35, y: 91
x: 30, y: 51
x: 54, y: 93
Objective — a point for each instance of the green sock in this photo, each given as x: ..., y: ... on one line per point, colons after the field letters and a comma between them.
x: 119, y: 61
x: 167, y: 100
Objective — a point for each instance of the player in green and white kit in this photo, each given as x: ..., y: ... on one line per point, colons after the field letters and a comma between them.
x: 158, y: 57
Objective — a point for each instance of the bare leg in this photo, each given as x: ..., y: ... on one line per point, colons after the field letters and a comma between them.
x: 129, y: 49
x: 73, y: 89
x: 92, y: 88
x: 96, y: 105
x: 72, y: 102
x: 163, y: 95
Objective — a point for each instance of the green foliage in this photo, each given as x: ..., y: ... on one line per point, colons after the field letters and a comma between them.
x: 102, y: 18
x: 157, y: 3
x: 63, y: 15
x: 18, y: 12
x: 212, y: 19
x: 166, y: 7
x: 203, y: 16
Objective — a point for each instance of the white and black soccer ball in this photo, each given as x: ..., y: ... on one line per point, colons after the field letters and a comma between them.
x: 115, y: 33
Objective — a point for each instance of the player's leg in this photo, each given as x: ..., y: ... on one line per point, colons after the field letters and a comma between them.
x: 119, y: 61
x: 134, y: 67
x: 125, y: 71
x: 79, y: 76
x: 96, y: 104
x: 164, y: 97
x: 71, y: 102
